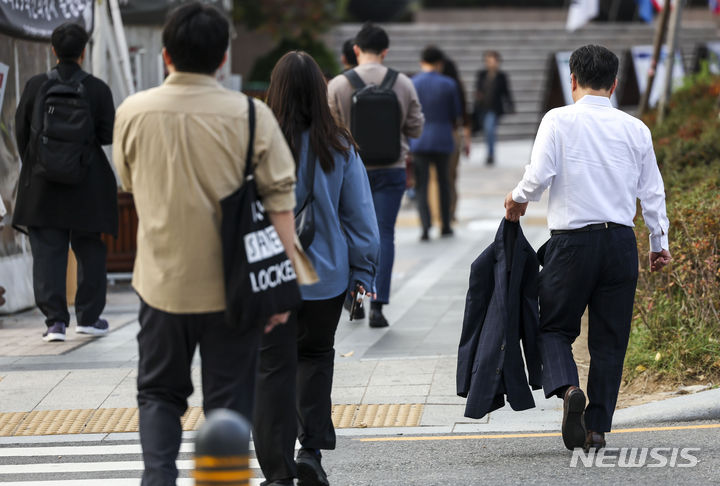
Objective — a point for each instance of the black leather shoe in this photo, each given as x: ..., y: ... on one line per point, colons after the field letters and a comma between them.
x: 377, y: 319
x: 309, y: 469
x: 278, y: 482
x: 594, y: 440
x: 573, y: 423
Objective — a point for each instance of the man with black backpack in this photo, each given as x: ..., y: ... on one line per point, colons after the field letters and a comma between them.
x: 67, y: 193
x: 381, y: 109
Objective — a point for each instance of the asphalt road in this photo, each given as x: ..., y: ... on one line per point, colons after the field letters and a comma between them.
x: 499, y: 459
x: 521, y: 460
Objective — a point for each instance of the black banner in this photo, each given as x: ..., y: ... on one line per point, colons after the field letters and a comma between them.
x: 154, y: 12
x: 36, y: 19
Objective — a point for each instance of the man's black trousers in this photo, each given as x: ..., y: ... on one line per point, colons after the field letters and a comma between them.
x: 49, y: 248
x: 597, y: 270
x: 167, y: 344
x: 294, y: 386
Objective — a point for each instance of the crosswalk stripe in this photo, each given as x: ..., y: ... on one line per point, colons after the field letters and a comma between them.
x: 91, y: 450
x: 81, y: 450
x: 72, y: 467
x: 107, y: 482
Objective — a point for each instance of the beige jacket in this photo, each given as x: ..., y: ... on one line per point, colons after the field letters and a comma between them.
x: 180, y: 148
x: 340, y: 93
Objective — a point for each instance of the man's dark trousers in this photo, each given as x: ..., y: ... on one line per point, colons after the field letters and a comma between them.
x: 421, y: 163
x: 50, y: 256
x: 599, y: 270
x: 167, y: 344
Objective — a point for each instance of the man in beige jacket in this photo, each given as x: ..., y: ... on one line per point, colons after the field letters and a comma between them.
x: 180, y: 148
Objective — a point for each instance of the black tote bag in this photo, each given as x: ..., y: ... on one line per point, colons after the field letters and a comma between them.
x: 259, y: 278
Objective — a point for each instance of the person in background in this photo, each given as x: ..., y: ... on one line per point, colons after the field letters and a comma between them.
x: 462, y: 133
x: 57, y: 215
x: 297, y: 360
x: 386, y: 182
x: 492, y: 99
x: 180, y: 149
x: 348, y: 57
x: 438, y: 95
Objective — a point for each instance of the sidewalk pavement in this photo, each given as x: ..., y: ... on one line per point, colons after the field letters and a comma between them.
x: 402, y: 376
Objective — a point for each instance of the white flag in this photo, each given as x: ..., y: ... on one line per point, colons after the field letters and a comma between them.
x: 581, y: 12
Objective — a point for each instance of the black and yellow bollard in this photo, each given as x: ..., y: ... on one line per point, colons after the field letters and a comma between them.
x: 222, y: 450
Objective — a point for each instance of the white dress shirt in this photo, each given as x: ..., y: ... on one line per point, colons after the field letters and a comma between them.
x: 597, y: 161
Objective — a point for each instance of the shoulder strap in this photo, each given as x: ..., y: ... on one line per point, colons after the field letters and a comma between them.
x: 389, y: 80
x: 251, y: 139
x: 78, y: 77
x: 355, y: 79
x: 311, y: 161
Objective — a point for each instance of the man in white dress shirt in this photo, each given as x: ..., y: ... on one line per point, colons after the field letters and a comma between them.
x: 597, y: 161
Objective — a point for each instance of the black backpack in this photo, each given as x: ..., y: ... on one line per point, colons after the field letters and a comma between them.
x: 375, y: 119
x: 62, y: 129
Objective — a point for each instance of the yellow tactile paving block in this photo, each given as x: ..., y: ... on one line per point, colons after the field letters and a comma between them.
x: 112, y: 420
x: 9, y: 422
x: 53, y: 422
x: 107, y: 420
x: 377, y: 415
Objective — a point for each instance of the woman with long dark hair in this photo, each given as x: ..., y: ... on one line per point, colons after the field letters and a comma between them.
x: 297, y: 360
x: 462, y: 134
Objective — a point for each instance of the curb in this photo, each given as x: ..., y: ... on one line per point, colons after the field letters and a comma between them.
x: 698, y: 406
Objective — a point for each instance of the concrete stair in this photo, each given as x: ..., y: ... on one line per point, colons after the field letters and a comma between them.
x: 525, y: 48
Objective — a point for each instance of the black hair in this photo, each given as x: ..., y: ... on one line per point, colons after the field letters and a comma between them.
x: 69, y: 40
x: 594, y: 66
x: 372, y: 38
x: 297, y: 95
x: 432, y: 55
x: 349, y: 53
x: 196, y: 37
x: 450, y: 70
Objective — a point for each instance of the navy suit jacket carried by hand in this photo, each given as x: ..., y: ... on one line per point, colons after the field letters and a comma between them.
x: 501, y: 312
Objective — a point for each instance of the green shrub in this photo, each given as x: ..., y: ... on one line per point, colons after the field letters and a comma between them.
x: 325, y: 58
x: 676, y: 328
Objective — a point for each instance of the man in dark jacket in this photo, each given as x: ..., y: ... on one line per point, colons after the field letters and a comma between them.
x: 492, y: 99
x: 57, y: 215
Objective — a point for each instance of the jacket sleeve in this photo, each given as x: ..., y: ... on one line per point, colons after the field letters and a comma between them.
x: 476, y: 306
x: 105, y: 117
x: 508, y: 94
x: 24, y: 113
x: 415, y: 120
x: 122, y: 145
x: 357, y: 216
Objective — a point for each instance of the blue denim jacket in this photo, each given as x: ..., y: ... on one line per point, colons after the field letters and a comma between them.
x: 346, y: 246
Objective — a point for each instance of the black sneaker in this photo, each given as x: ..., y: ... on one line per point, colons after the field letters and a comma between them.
x: 309, y: 469
x: 55, y: 333
x: 99, y: 328
x: 377, y: 319
x: 278, y: 482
